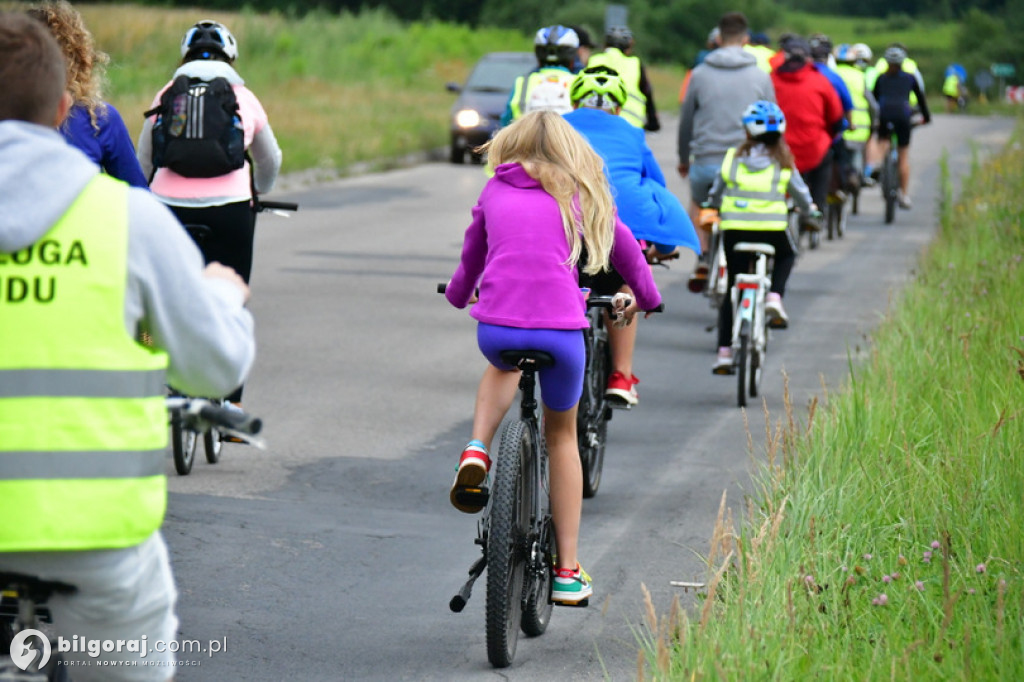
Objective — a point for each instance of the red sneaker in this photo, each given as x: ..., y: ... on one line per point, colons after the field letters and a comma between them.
x: 621, y: 389
x: 471, y: 473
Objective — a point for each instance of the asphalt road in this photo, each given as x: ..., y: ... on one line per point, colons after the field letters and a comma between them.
x: 332, y: 554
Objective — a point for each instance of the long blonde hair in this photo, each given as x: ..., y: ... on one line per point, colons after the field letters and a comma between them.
x: 86, y: 65
x: 552, y: 152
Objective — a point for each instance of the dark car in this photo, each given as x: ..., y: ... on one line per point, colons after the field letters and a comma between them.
x: 476, y: 114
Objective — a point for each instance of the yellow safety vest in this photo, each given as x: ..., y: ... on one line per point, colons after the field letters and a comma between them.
x: 753, y: 200
x: 524, y: 87
x: 762, y: 53
x: 861, y: 114
x: 83, y: 420
x: 628, y: 68
x: 951, y: 86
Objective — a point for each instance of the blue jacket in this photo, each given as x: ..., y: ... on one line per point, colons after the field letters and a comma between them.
x: 841, y: 89
x: 110, y: 148
x: 645, y: 205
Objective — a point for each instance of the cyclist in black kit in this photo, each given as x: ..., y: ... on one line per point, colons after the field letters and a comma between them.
x: 892, y: 90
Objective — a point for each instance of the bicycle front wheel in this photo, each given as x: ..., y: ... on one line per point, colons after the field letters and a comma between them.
x: 509, y: 525
x: 183, y: 445
x: 743, y: 364
x: 212, y: 445
x: 537, y: 602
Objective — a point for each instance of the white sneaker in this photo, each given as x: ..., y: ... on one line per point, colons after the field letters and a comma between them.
x: 723, y: 363
x: 777, y: 317
x: 904, y: 201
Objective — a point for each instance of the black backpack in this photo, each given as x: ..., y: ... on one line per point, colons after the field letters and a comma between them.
x: 198, y: 131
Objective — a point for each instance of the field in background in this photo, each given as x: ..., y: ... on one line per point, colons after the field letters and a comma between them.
x: 347, y: 89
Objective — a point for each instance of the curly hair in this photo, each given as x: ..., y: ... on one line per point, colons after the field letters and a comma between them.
x: 86, y: 65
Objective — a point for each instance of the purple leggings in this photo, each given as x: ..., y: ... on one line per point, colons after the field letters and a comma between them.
x: 561, y: 384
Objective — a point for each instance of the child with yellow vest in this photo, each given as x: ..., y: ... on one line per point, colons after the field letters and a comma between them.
x: 750, y: 195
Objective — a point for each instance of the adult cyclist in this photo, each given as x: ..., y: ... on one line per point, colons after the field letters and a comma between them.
x: 82, y: 406
x: 618, y: 56
x: 222, y: 202
x: 644, y: 204
x: 546, y: 88
x: 893, y: 90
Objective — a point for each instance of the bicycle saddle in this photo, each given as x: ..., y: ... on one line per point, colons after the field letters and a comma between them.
x: 534, y: 359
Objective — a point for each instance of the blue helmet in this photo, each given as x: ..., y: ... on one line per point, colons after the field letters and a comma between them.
x: 556, y: 45
x: 764, y: 117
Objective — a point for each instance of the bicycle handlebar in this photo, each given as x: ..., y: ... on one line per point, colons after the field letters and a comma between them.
x: 202, y: 414
x: 593, y: 301
x: 259, y: 205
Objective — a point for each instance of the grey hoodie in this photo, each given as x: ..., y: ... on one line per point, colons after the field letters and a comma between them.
x: 721, y: 87
x: 201, y: 322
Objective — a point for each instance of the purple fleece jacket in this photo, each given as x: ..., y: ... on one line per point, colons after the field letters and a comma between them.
x: 515, y: 250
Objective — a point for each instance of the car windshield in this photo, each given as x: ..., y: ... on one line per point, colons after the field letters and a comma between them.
x: 498, y: 75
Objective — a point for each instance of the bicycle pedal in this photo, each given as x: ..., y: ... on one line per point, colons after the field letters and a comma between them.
x: 473, y: 497
x: 578, y: 604
x: 777, y: 323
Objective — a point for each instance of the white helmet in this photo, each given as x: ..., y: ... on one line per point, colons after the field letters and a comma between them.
x: 862, y: 52
x: 209, y: 36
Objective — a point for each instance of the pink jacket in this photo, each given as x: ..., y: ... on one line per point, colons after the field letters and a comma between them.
x: 515, y: 250
x: 177, y: 190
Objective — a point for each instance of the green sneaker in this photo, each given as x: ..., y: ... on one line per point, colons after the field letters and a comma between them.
x: 571, y: 587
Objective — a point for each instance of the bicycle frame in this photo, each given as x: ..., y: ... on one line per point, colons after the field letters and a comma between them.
x: 750, y: 328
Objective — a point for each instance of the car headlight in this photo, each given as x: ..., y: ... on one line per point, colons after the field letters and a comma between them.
x: 467, y: 118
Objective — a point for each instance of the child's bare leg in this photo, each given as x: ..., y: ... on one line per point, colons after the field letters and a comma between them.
x: 566, y: 482
x: 494, y: 396
x: 622, y: 341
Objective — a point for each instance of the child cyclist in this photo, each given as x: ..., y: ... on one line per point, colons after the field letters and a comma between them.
x: 548, y: 201
x: 750, y: 194
x: 645, y: 205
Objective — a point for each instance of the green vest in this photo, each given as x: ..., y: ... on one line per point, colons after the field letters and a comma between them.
x: 83, y: 420
x: 635, y: 108
x: 951, y: 86
x: 763, y: 55
x: 753, y: 200
x: 861, y: 114
x: 541, y: 83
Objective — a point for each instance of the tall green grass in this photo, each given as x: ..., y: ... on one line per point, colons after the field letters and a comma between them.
x: 885, y: 541
x: 338, y: 88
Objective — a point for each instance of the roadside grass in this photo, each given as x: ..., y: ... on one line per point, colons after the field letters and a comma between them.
x: 884, y: 539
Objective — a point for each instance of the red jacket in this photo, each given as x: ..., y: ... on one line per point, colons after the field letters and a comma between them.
x: 812, y: 110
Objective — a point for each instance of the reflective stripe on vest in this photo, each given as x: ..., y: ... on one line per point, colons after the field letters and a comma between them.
x: 83, y: 421
x: 635, y: 108
x: 753, y: 200
x: 861, y: 114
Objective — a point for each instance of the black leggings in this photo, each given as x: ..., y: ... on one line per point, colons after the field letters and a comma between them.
x: 818, y: 179
x: 229, y: 240
x: 231, y: 233
x: 785, y: 258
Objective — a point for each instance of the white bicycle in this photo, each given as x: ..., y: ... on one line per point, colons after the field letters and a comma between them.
x: 750, y: 330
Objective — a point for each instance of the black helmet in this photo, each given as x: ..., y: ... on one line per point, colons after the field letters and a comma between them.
x: 556, y: 45
x: 209, y: 37
x: 821, y: 46
x: 618, y: 36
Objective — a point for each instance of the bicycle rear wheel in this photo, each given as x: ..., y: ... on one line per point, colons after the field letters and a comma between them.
x: 537, y: 601
x: 591, y: 422
x: 890, y: 188
x: 212, y: 445
x: 184, y: 443
x: 507, y: 535
x: 743, y: 367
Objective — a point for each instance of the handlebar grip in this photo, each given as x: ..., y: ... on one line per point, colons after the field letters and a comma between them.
x: 441, y: 287
x: 281, y: 205
x: 660, y: 308
x: 237, y: 421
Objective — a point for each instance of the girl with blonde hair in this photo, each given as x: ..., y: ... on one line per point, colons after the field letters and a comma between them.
x: 547, y: 209
x: 92, y: 125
